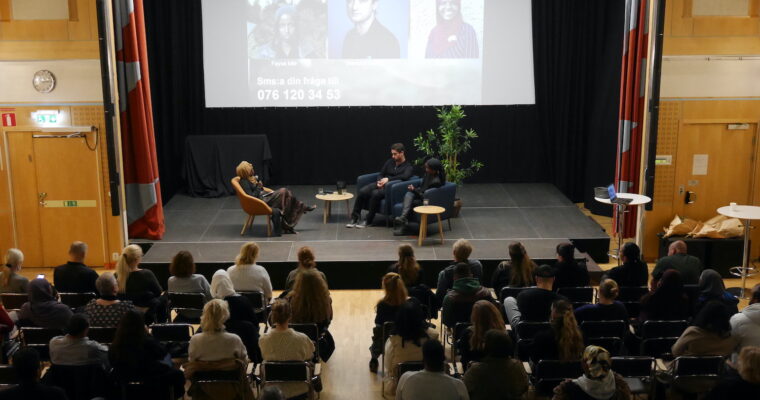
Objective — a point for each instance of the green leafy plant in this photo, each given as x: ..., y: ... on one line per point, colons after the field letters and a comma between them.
x: 448, y: 143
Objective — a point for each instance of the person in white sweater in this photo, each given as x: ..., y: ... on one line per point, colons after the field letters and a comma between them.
x: 214, y: 343
x: 282, y: 343
x: 248, y: 276
x: 745, y: 325
x: 432, y: 383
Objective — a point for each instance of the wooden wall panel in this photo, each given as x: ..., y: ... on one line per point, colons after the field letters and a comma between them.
x: 686, y: 34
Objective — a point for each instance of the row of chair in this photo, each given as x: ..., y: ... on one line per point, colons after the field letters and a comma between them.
x: 178, y: 301
x: 14, y: 301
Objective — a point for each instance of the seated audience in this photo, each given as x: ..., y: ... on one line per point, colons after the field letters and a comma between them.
x: 742, y: 383
x: 633, y: 272
x: 213, y: 343
x: 282, y: 343
x: 563, y: 340
x: 485, y: 317
x: 306, y: 260
x: 43, y: 309
x: 711, y: 288
x: 243, y: 320
x: 570, y: 273
x: 533, y: 304
x: 74, y: 276
x: 405, y: 344
x: 26, y: 365
x: 497, y: 373
x: 745, y: 326
x: 385, y: 311
x: 75, y: 348
x: 667, y: 301
x: 185, y: 280
x: 10, y: 279
x: 134, y: 355
x: 107, y: 310
x: 140, y: 285
x: 466, y: 291
x: 462, y: 249
x: 709, y: 335
x: 597, y: 382
x: 606, y: 308
x: 246, y: 275
x: 689, y: 266
x: 517, y: 272
x: 310, y: 300
x: 407, y: 266
x: 432, y: 383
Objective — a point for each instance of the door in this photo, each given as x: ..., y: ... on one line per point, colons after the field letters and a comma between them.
x: 57, y: 196
x: 714, y: 168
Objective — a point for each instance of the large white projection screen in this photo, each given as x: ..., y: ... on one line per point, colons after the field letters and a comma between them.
x: 307, y: 53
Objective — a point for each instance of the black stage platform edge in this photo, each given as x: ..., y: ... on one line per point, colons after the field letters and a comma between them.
x: 353, y: 275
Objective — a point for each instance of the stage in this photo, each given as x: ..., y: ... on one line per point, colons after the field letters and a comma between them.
x: 492, y: 216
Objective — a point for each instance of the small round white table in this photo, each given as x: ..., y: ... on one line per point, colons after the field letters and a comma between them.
x: 747, y: 214
x: 329, y: 198
x: 638, y: 199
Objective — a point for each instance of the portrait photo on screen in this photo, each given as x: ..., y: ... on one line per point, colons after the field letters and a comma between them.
x: 282, y: 30
x: 375, y: 29
x: 446, y: 29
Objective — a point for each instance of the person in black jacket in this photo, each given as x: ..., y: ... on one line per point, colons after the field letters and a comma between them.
x: 74, y: 276
x: 397, y: 168
x: 434, y: 177
x: 26, y: 364
x: 569, y: 272
x: 633, y: 272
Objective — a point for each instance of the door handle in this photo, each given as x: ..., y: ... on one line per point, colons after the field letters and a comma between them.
x: 690, y: 198
x: 42, y: 197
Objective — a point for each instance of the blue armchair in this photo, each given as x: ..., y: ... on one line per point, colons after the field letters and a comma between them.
x: 391, y: 189
x: 443, y: 196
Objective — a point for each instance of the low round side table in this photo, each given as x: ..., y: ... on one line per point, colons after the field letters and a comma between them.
x: 329, y: 198
x: 638, y: 199
x: 746, y: 214
x: 424, y: 211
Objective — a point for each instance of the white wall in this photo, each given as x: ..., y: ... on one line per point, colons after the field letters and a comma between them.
x: 76, y: 81
x: 700, y: 76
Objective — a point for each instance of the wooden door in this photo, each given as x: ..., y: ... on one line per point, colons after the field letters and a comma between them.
x: 714, y: 168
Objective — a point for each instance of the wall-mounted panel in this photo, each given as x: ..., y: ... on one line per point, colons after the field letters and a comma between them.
x: 76, y: 81
x: 709, y: 77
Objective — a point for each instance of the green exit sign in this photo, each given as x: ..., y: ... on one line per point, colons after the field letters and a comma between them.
x: 47, y: 118
x: 70, y: 203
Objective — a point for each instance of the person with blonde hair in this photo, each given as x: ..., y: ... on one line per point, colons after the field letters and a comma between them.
x: 744, y: 381
x: 246, y: 275
x: 563, y: 340
x: 243, y: 320
x: 10, y: 279
x: 461, y: 250
x: 310, y: 300
x: 75, y: 276
x: 291, y: 208
x: 214, y: 343
x: 517, y: 272
x: 140, y: 285
x: 485, y: 316
x: 395, y: 295
x: 306, y: 260
x: 606, y: 307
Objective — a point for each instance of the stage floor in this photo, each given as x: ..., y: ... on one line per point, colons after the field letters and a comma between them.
x: 492, y: 216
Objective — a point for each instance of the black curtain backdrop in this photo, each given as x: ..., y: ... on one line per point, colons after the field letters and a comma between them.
x: 568, y: 138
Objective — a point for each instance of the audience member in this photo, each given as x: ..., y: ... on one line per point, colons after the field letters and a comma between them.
x: 74, y: 276
x: 246, y: 275
x: 213, y: 343
x: 407, y: 266
x: 457, y: 305
x: 742, y: 383
x: 633, y: 272
x: 462, y: 249
x: 533, y: 304
x: 689, y: 266
x: 306, y: 260
x: 107, y: 310
x: 185, y: 280
x: 709, y: 335
x: 517, y: 272
x: 310, y: 300
x: 135, y: 355
x: 745, y: 326
x: 606, y: 308
x: 485, y: 317
x: 385, y: 311
x: 140, y: 285
x: 26, y: 364
x: 597, y: 382
x: 667, y: 301
x: 711, y: 288
x: 10, y: 279
x: 243, y: 320
x: 563, y: 340
x: 43, y: 309
x: 282, y: 343
x: 75, y: 348
x: 570, y: 273
x: 405, y: 344
x: 432, y: 383
x: 497, y: 374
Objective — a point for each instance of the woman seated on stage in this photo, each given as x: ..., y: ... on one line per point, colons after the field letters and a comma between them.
x: 434, y: 177
x: 282, y: 198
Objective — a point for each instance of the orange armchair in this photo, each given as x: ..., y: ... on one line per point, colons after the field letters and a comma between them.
x: 252, y: 206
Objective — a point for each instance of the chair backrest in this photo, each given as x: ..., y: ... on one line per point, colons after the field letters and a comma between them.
x: 310, y: 330
x: 256, y: 298
x: 407, y: 366
x: 604, y: 328
x: 31, y: 336
x: 509, y: 291
x: 633, y: 308
x: 8, y: 375
x: 14, y: 301
x: 612, y: 344
x: 697, y: 374
x: 172, y: 332
x: 102, y: 334
x: 76, y: 300
x: 659, y: 347
x: 79, y: 382
x: 633, y: 367
x: 653, y: 329
x: 632, y: 293
x: 459, y: 329
x: 584, y: 294
x: 528, y: 329
x: 286, y: 371
x: 549, y: 373
x: 185, y: 301
x: 460, y: 311
x: 249, y: 204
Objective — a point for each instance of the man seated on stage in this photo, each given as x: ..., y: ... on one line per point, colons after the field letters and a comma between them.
x: 74, y: 276
x: 689, y: 266
x: 533, y: 304
x: 397, y: 168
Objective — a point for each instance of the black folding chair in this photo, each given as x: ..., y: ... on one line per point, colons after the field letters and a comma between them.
x: 312, y: 331
x: 14, y: 301
x: 584, y: 294
x: 632, y: 293
x: 526, y: 330
x: 633, y: 308
x: 604, y: 328
x: 694, y: 375
x: 287, y: 372
x: 39, y: 339
x: 549, y: 373
x: 102, y: 334
x: 408, y: 366
x: 509, y: 291
x: 638, y: 372
x: 175, y: 337
x: 259, y: 303
x: 612, y: 344
x: 185, y: 302
x: 658, y: 347
x: 653, y: 329
x: 76, y: 300
x: 236, y: 377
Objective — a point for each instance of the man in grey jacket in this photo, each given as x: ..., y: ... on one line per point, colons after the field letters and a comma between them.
x: 745, y: 325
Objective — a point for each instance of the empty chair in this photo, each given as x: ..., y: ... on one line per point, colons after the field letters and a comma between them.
x: 583, y: 294
x: 175, y: 337
x: 39, y: 339
x: 637, y: 372
x: 694, y: 375
x: 604, y: 328
x: 102, y: 334
x: 653, y: 329
x: 14, y: 301
x: 76, y: 300
x: 549, y: 373
x: 186, y: 302
x: 632, y: 293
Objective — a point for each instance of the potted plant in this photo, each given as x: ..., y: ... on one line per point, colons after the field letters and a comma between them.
x: 448, y: 143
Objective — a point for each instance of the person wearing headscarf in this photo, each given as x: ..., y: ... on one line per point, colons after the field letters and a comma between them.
x: 598, y: 381
x: 711, y: 288
x: 43, y: 309
x: 435, y: 177
x: 451, y: 37
x: 242, y: 321
x: 667, y: 301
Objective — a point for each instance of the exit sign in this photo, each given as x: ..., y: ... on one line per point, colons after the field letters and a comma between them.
x: 47, y: 118
x: 69, y: 203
